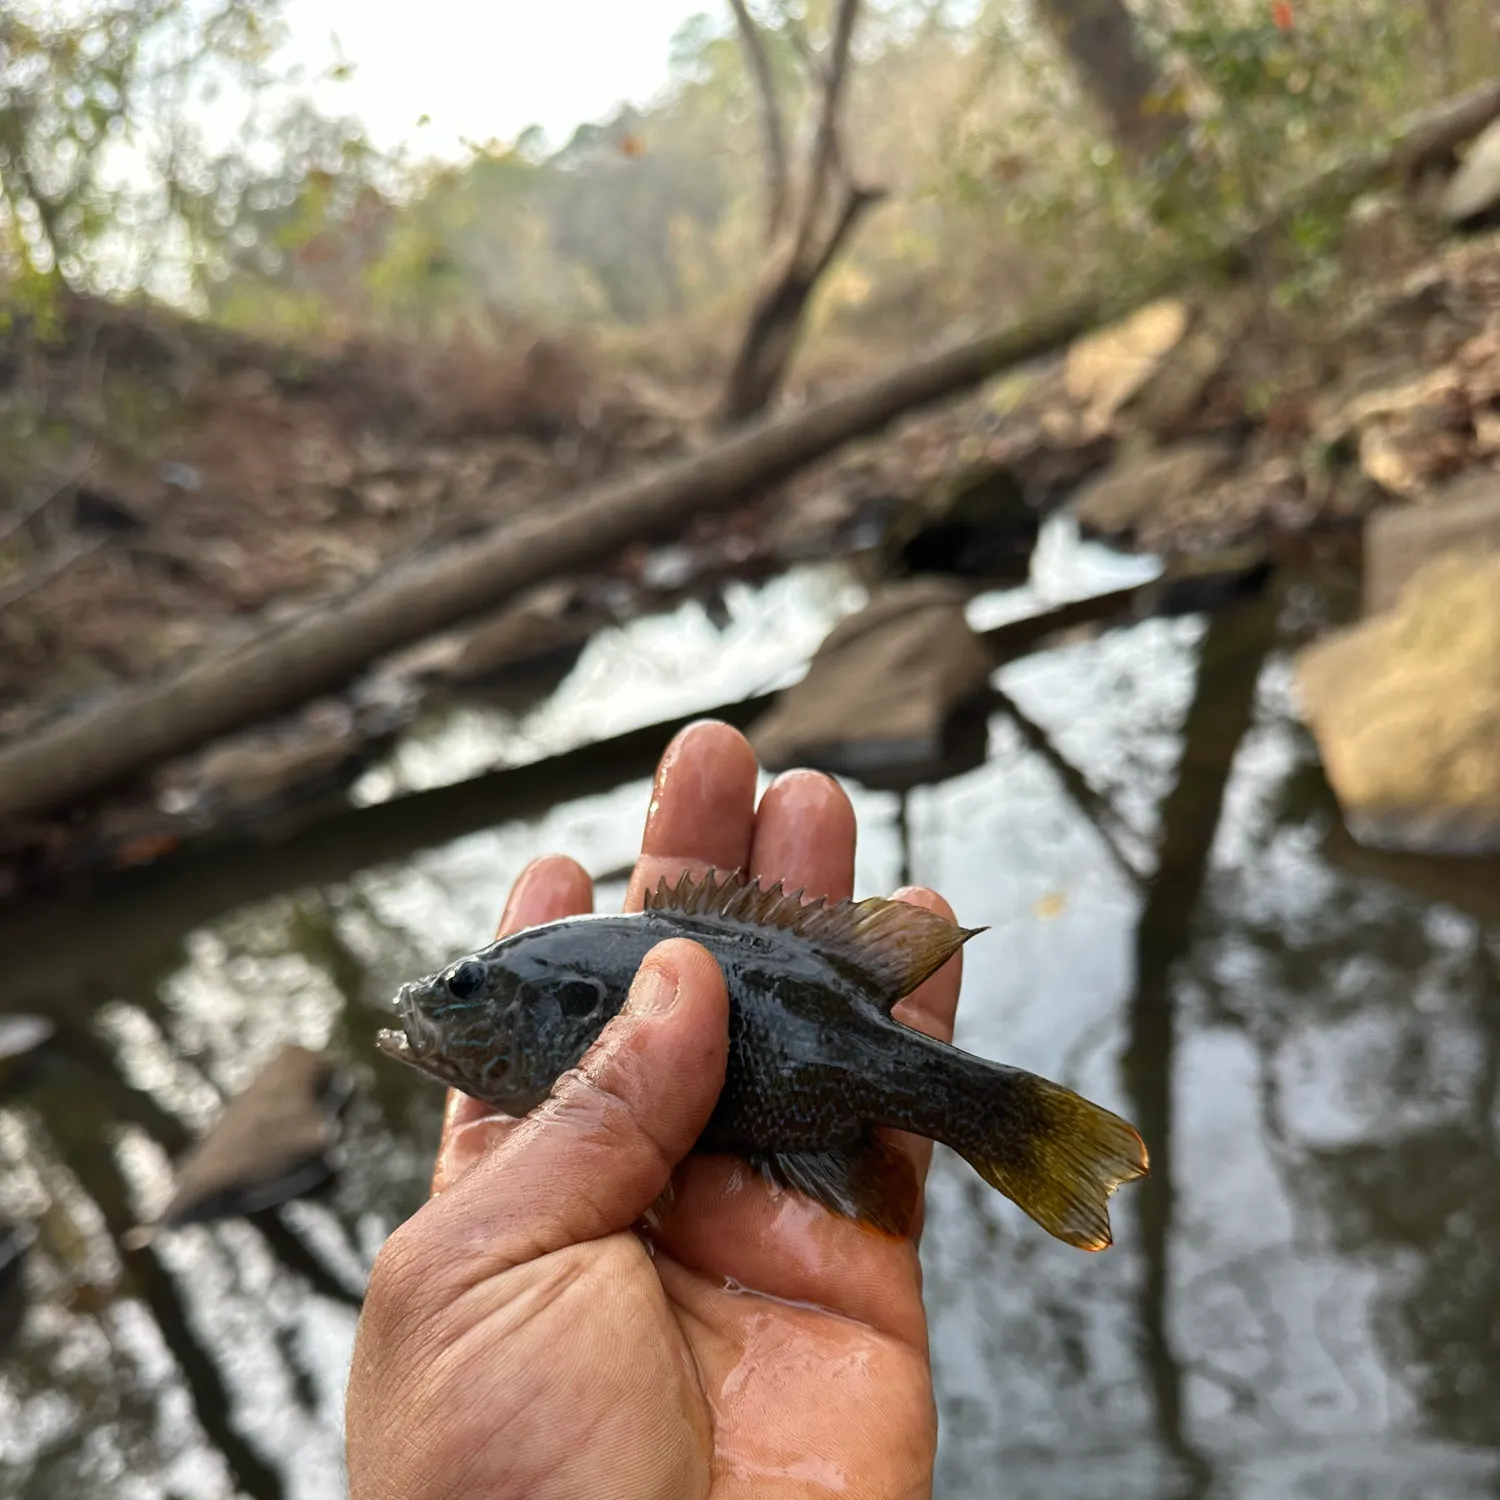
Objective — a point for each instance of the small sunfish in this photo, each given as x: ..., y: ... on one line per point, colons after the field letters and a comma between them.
x: 816, y: 1060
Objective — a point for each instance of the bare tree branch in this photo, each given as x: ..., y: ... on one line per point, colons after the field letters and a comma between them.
x: 856, y: 201
x: 829, y: 205
x: 772, y: 130
x: 826, y: 157
x: 807, y: 54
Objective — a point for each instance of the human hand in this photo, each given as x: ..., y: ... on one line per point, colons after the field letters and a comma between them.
x: 521, y: 1336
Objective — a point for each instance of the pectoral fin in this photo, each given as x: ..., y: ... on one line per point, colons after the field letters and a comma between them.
x: 871, y: 1180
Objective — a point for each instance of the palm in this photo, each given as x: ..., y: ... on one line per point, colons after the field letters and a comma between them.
x: 718, y: 1391
x: 797, y: 1387
x: 751, y: 1337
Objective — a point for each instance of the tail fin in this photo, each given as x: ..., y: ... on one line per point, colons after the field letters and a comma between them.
x: 1059, y: 1157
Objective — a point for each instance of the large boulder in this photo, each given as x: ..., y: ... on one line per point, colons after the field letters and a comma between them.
x: 886, y: 692
x: 1406, y: 711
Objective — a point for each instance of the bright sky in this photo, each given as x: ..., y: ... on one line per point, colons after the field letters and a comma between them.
x: 485, y: 68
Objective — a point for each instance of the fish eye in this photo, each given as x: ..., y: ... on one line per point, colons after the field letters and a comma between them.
x: 579, y: 997
x: 466, y: 980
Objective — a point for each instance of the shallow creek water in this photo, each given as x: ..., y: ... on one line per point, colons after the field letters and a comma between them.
x: 1304, y: 1299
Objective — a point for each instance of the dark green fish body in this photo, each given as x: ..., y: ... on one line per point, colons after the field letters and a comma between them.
x: 816, y: 1060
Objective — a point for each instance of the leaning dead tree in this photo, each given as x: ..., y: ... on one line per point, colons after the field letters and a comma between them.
x: 809, y: 215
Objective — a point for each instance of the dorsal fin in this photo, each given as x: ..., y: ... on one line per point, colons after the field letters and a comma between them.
x: 892, y: 945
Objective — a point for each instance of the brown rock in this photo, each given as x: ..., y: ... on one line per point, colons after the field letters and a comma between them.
x: 1174, y: 392
x: 272, y: 1143
x: 1463, y: 517
x: 1132, y: 489
x: 1406, y: 711
x: 1105, y: 369
x: 1475, y: 187
x: 883, y: 688
x: 321, y: 748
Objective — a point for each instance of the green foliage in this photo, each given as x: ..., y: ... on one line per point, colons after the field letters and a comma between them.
x: 95, y: 149
x: 1001, y: 182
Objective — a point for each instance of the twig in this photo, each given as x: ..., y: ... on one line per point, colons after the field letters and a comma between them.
x: 30, y: 512
x: 47, y: 570
x: 825, y: 152
x: 772, y: 130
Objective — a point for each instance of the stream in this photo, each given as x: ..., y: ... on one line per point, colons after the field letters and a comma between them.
x: 1304, y: 1297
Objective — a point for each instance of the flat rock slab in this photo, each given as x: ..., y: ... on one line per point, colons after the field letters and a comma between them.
x: 883, y: 688
x: 271, y: 1144
x: 1400, y: 541
x: 1406, y: 711
x: 1134, y: 487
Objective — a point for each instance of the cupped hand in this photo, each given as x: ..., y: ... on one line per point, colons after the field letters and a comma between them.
x: 522, y: 1335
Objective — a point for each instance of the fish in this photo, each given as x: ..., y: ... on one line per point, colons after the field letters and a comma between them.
x: 819, y: 1069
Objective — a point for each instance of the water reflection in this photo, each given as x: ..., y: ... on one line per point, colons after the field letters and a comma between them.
x: 1303, y: 1298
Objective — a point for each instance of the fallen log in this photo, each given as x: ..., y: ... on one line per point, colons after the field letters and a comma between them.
x: 207, y: 872
x: 147, y: 724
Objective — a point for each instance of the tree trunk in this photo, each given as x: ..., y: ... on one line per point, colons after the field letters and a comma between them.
x: 1101, y: 43
x: 321, y: 653
x: 770, y: 336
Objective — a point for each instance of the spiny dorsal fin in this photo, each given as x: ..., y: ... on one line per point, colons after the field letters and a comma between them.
x: 892, y: 945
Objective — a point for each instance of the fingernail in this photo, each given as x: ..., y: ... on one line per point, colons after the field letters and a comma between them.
x: 654, y: 992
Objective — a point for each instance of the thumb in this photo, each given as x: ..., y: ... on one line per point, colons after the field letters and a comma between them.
x: 592, y: 1159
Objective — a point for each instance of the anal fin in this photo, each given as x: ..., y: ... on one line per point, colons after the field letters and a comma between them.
x: 872, y: 1181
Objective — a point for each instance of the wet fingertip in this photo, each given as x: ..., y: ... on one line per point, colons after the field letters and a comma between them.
x: 549, y: 887
x: 701, y: 731
x: 921, y: 895
x: 807, y: 792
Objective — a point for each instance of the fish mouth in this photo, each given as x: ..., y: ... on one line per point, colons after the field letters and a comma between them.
x: 418, y: 1038
x: 394, y: 1044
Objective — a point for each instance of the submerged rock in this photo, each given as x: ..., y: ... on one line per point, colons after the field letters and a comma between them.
x: 522, y: 653
x: 1406, y: 711
x: 273, y: 1142
x: 885, y: 695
